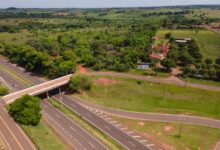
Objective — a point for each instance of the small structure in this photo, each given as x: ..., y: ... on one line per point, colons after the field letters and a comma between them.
x: 143, y: 65
x: 183, y: 40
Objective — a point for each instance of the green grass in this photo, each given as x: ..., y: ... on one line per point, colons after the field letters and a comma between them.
x: 128, y: 94
x: 208, y: 41
x: 109, y: 142
x: 192, y: 137
x: 44, y: 137
x: 201, y: 81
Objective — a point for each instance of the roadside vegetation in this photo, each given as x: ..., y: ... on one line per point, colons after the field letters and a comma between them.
x: 26, y: 110
x: 79, y: 83
x: 169, y: 136
x: 43, y: 137
x: 3, y: 90
x: 143, y: 96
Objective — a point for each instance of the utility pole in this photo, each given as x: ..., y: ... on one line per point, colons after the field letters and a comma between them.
x: 180, y: 128
x: 164, y: 91
x: 61, y: 101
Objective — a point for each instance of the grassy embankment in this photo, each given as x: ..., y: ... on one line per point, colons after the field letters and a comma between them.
x: 192, y: 137
x: 143, y: 96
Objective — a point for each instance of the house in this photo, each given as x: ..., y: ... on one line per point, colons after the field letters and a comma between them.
x: 183, y: 40
x: 157, y: 56
x: 143, y: 65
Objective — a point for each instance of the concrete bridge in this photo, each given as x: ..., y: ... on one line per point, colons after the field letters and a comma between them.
x: 38, y: 89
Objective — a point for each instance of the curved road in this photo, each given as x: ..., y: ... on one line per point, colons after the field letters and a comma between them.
x: 170, y: 80
x: 150, y: 116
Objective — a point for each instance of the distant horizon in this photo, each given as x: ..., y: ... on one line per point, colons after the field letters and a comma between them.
x: 102, y: 4
x: 110, y: 7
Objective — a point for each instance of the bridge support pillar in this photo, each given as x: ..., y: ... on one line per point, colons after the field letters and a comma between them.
x: 48, y: 96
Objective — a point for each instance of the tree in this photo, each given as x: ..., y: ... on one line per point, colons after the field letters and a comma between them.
x: 80, y: 83
x: 167, y: 35
x: 217, y: 61
x: 3, y: 90
x: 26, y: 110
x: 168, y: 63
x: 208, y: 61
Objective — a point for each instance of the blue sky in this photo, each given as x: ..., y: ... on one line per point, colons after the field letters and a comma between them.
x: 98, y: 3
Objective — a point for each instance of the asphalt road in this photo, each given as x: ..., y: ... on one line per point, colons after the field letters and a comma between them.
x: 124, y: 139
x: 150, y: 116
x: 12, y: 135
x: 76, y: 137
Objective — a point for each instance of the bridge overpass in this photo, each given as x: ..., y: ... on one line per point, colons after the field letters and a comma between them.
x: 38, y: 89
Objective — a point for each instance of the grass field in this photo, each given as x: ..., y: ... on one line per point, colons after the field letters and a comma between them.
x: 208, y: 41
x: 44, y: 137
x: 144, y: 96
x: 192, y: 137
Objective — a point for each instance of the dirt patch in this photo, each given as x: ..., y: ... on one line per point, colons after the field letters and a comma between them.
x: 141, y: 123
x: 105, y: 81
x: 82, y: 69
x: 168, y: 128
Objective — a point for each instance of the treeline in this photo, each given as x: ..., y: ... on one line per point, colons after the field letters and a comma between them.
x: 40, y: 62
x: 167, y: 13
x: 182, y: 22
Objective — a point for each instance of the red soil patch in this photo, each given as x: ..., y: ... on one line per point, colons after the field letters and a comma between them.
x: 105, y: 81
x: 141, y: 123
x: 82, y: 69
x: 168, y: 128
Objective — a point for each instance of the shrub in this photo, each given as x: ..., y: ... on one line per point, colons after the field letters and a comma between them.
x: 26, y: 110
x: 80, y: 83
x: 3, y: 91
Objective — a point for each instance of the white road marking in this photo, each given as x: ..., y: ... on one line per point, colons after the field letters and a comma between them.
x: 130, y: 132
x: 107, y: 127
x: 137, y: 136
x: 91, y: 144
x: 72, y: 129
x: 150, y: 145
x: 142, y: 141
x: 132, y: 144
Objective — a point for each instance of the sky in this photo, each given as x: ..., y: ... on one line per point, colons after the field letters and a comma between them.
x: 99, y: 3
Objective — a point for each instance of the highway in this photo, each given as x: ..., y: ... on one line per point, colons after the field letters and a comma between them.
x: 123, y: 138
x: 75, y: 136
x: 12, y: 135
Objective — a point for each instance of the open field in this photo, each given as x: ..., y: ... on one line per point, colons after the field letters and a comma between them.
x: 166, y: 134
x: 44, y: 137
x: 208, y: 41
x: 133, y: 95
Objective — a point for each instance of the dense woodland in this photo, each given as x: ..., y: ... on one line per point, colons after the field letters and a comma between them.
x: 97, y: 40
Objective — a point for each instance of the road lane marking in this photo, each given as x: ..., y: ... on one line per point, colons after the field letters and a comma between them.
x: 132, y: 144
x: 137, y: 136
x: 91, y: 144
x: 19, y: 144
x: 72, y: 129
x: 107, y: 127
x: 142, y: 141
x: 150, y: 145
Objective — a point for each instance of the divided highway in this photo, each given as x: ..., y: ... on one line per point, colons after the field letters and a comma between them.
x: 76, y: 137
x: 124, y: 139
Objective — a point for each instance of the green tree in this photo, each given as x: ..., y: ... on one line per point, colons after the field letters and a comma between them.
x: 168, y: 63
x: 3, y: 90
x: 80, y: 83
x: 26, y: 110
